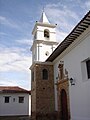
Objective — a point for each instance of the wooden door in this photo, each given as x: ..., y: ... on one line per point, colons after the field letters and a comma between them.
x: 64, y: 109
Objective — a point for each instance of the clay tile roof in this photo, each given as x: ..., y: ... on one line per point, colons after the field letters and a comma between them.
x: 13, y: 89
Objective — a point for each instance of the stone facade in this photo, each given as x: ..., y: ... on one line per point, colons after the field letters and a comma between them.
x: 42, y: 92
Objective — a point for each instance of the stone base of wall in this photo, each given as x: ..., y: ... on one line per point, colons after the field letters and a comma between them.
x: 41, y: 116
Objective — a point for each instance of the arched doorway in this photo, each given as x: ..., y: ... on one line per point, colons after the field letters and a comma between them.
x: 64, y: 109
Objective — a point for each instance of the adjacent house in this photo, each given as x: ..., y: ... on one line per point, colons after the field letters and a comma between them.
x: 14, y: 101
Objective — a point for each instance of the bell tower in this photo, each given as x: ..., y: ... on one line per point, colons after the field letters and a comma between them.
x: 42, y: 73
x: 44, y: 39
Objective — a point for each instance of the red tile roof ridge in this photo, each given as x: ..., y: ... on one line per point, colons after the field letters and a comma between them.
x: 14, y: 89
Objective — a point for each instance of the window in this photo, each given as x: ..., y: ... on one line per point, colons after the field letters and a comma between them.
x: 85, y: 69
x: 32, y: 76
x: 45, y: 74
x: 88, y: 68
x: 6, y: 99
x: 46, y: 33
x: 21, y: 99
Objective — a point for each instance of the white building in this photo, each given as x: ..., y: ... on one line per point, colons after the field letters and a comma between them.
x: 74, y: 52
x: 71, y: 63
x: 14, y: 101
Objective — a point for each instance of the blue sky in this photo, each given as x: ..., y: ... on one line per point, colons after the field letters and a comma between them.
x: 17, y: 19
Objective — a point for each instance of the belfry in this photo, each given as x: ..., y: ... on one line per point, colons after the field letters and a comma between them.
x: 44, y: 39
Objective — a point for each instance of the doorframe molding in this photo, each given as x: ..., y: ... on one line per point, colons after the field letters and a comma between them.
x: 62, y: 84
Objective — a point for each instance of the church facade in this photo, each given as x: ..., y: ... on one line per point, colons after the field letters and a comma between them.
x: 60, y: 77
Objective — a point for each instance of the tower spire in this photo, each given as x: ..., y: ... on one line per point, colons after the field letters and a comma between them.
x: 44, y: 18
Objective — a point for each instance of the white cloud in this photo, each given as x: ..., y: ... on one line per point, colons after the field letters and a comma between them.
x: 87, y: 4
x: 62, y: 16
x: 8, y: 22
x: 6, y: 82
x: 62, y: 12
x: 60, y: 35
x: 25, y: 41
x: 65, y: 16
x: 13, y: 59
x: 2, y: 33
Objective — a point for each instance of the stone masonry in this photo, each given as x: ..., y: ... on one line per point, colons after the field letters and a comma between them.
x: 42, y: 92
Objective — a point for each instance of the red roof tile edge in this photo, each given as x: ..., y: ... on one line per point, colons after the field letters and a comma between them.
x: 13, y: 89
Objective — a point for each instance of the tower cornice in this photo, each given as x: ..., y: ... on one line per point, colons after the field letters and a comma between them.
x: 43, y: 24
x: 44, y: 42
x: 35, y: 63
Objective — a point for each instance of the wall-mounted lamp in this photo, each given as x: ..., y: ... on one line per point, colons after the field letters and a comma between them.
x: 72, y: 81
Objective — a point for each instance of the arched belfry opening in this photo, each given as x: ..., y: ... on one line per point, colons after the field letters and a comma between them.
x: 63, y: 93
x: 46, y: 33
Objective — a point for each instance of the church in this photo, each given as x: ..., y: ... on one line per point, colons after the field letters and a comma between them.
x: 60, y: 73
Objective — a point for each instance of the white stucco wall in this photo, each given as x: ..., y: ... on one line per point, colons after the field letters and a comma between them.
x: 14, y: 108
x: 79, y: 93
x: 42, y: 50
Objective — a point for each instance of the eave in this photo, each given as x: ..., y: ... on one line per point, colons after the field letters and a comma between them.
x: 75, y: 33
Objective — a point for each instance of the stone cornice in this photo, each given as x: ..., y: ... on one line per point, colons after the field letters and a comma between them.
x: 38, y: 63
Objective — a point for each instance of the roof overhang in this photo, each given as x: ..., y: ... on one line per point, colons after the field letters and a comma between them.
x: 75, y: 33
